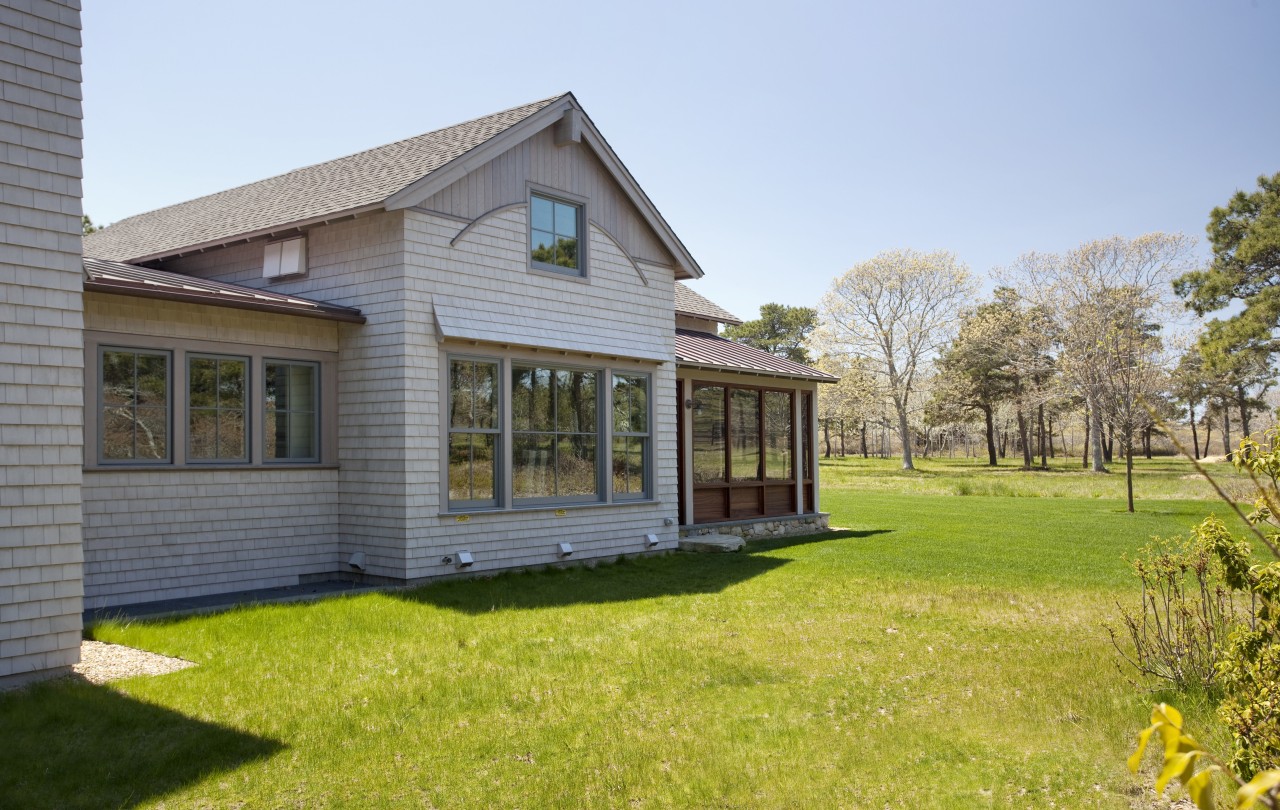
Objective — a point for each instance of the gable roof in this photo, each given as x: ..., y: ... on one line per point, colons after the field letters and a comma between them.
x: 397, y: 175
x: 144, y: 282
x: 689, y: 302
x: 713, y: 353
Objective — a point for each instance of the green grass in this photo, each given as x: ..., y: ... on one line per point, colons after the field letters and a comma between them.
x: 938, y: 651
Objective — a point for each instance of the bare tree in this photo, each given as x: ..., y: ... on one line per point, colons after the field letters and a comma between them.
x: 897, y: 310
x: 1090, y: 293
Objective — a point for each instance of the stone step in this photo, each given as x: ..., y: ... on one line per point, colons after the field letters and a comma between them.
x: 712, y: 543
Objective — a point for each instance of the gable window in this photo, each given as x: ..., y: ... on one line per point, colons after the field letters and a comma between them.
x: 631, y: 440
x: 216, y: 417
x: 554, y: 235
x: 134, y: 405
x: 291, y: 394
x: 474, y: 432
x: 555, y: 435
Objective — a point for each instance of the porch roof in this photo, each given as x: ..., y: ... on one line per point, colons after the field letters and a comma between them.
x: 710, y: 352
x: 145, y: 282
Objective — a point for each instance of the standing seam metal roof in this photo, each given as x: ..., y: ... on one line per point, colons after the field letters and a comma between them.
x: 352, y: 182
x: 711, y: 351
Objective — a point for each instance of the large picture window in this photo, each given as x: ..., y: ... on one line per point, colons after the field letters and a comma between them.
x: 134, y: 416
x: 555, y: 434
x: 474, y: 432
x: 631, y: 439
x: 216, y: 416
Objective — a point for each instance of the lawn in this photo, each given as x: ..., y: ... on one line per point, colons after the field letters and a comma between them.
x: 939, y: 650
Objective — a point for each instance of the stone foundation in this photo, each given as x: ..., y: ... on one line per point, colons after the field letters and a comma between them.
x: 763, y: 527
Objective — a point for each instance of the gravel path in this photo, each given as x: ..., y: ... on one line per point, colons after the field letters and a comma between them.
x: 100, y: 662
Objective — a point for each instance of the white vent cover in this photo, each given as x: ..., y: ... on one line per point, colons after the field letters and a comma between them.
x: 287, y: 258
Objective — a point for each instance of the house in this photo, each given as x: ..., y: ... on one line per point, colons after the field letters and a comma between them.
x: 462, y: 352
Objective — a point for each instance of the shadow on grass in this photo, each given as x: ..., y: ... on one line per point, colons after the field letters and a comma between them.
x: 70, y: 744
x: 775, y: 543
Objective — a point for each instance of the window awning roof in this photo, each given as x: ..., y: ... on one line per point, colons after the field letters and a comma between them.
x: 713, y: 353
x: 144, y: 282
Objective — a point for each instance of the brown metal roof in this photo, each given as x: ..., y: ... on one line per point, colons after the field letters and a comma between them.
x: 700, y: 350
x: 129, y: 279
x: 689, y: 302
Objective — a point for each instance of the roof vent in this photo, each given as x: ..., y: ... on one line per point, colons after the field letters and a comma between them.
x: 287, y: 258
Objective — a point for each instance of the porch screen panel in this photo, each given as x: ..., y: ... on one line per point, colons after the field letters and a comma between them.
x: 777, y: 436
x: 744, y: 428
x: 708, y: 434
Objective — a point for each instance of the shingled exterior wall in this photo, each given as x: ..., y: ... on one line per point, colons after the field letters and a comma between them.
x: 41, y: 353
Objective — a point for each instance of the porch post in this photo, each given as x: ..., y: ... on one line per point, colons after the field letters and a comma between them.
x: 797, y: 446
x: 685, y: 386
x: 812, y: 416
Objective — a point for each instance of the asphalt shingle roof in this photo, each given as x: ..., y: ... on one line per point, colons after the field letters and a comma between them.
x: 128, y: 279
x: 348, y: 183
x: 713, y: 352
x: 689, y: 302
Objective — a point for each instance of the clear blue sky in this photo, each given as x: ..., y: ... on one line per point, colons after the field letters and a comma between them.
x: 783, y: 142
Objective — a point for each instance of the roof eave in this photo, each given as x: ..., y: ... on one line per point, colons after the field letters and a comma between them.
x: 702, y: 316
x: 211, y: 299
x: 752, y: 371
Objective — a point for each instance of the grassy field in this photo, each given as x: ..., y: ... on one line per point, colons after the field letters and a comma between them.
x: 945, y: 648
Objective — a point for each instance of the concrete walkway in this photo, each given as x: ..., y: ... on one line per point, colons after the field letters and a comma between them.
x: 224, y: 601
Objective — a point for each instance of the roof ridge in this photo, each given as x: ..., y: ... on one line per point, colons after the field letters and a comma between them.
x: 542, y: 102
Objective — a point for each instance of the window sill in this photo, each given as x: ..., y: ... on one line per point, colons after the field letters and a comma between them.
x: 107, y: 468
x: 580, y: 278
x: 542, y: 507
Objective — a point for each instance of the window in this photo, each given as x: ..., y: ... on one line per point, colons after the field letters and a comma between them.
x: 555, y: 434
x: 291, y: 398
x: 554, y: 229
x: 134, y: 409
x: 630, y: 436
x: 474, y: 432
x: 216, y: 416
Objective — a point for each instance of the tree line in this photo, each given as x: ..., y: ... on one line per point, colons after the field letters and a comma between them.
x: 1090, y: 338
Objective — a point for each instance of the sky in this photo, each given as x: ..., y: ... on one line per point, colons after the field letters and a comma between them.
x: 784, y: 143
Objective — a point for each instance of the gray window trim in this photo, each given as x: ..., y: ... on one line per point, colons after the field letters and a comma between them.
x: 647, y: 493
x: 499, y: 466
x: 100, y: 404
x: 317, y: 397
x: 248, y: 409
x: 581, y: 273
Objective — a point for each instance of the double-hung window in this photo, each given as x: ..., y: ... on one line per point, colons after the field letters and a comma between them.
x: 474, y: 432
x: 555, y: 435
x: 631, y: 439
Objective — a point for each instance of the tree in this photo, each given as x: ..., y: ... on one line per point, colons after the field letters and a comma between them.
x: 853, y: 398
x: 1245, y: 236
x: 1189, y: 385
x: 780, y: 330
x: 898, y: 310
x: 1097, y: 295
x: 87, y: 226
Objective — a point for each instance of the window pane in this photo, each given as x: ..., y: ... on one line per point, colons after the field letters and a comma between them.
x: 777, y: 436
x: 153, y: 379
x: 576, y: 466
x: 460, y: 388
x: 472, y: 466
x: 542, y: 213
x: 531, y: 399
x: 231, y: 435
x: 708, y: 434
x: 151, y: 433
x: 203, y: 388
x: 628, y: 465
x: 202, y: 434
x: 744, y: 428
x: 543, y: 245
x: 533, y: 466
x: 117, y: 378
x: 576, y: 401
x: 485, y: 396
x: 567, y: 252
x: 566, y: 220
x: 231, y: 383
x: 117, y: 434
x: 630, y: 404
